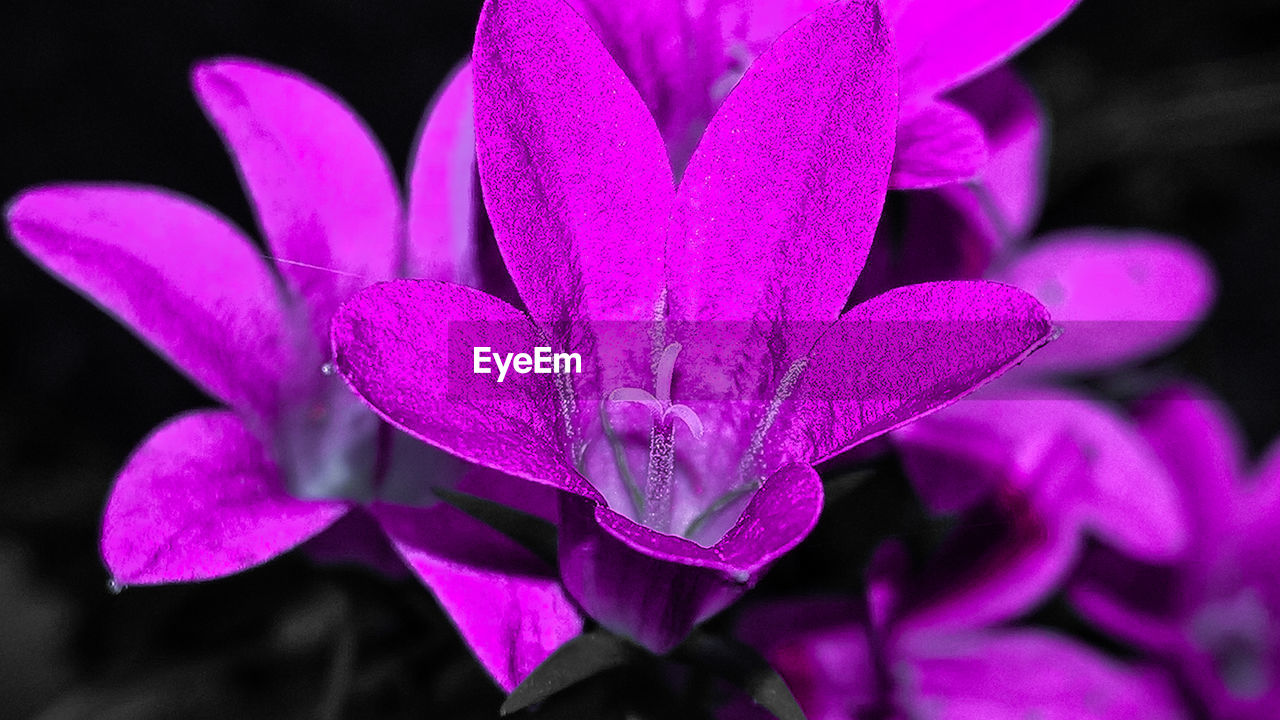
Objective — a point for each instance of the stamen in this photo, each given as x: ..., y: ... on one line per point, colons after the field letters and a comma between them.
x: 751, y: 459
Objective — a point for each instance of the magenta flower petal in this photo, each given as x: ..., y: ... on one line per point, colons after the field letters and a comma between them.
x: 1119, y: 296
x: 938, y: 144
x: 510, y: 609
x: 961, y: 230
x: 943, y: 43
x: 407, y: 348
x: 839, y: 670
x: 781, y: 199
x: 1207, y: 471
x: 177, y: 274
x: 1212, y: 615
x: 1015, y: 129
x: 200, y: 499
x: 322, y: 189
x: 908, y: 352
x: 1019, y: 674
x: 442, y: 188
x: 356, y: 539
x: 574, y: 171
x: 1003, y: 561
x: 1119, y: 489
x: 608, y: 561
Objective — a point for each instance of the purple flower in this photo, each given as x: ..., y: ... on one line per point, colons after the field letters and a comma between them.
x: 716, y: 364
x: 293, y: 455
x: 684, y: 57
x: 1029, y: 457
x: 839, y: 670
x: 1215, y: 615
x: 882, y: 658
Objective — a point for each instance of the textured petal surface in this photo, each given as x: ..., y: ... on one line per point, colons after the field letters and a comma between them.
x: 575, y: 174
x: 778, y: 207
x: 408, y: 348
x: 200, y: 499
x: 323, y: 191
x: 906, y: 353
x: 655, y: 587
x: 938, y: 144
x: 1022, y: 674
x: 943, y: 43
x: 442, y: 193
x: 510, y: 609
x: 180, y: 276
x: 1119, y: 296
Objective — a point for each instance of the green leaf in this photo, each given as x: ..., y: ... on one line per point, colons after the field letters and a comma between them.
x: 583, y: 657
x: 742, y: 666
x: 531, y: 532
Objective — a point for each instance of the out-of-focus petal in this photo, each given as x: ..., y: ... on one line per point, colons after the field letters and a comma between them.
x: 1142, y: 603
x: 1119, y: 296
x: 442, y: 197
x: 821, y: 649
x: 409, y: 349
x: 510, y: 609
x: 1015, y: 129
x: 938, y: 144
x: 778, y: 207
x: 1121, y: 489
x: 180, y: 276
x: 1019, y: 674
x: 575, y: 174
x: 1202, y: 448
x: 654, y: 587
x: 356, y: 539
x: 201, y: 499
x: 943, y: 43
x: 322, y: 189
x: 906, y: 353
x: 1003, y: 558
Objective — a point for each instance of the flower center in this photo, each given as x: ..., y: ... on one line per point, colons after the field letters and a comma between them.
x: 654, y: 503
x: 1235, y: 632
x: 331, y: 447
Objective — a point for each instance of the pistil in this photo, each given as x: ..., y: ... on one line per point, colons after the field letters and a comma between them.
x: 660, y: 477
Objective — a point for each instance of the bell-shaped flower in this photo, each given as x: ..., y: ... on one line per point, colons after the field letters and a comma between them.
x: 1215, y: 614
x: 293, y: 455
x: 717, y: 361
x: 1031, y: 456
x: 685, y: 56
x: 877, y: 658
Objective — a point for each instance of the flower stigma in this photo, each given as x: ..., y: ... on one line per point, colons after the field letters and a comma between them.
x: 656, y: 507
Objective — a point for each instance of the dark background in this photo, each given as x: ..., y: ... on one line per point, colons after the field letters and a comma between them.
x: 1166, y: 116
